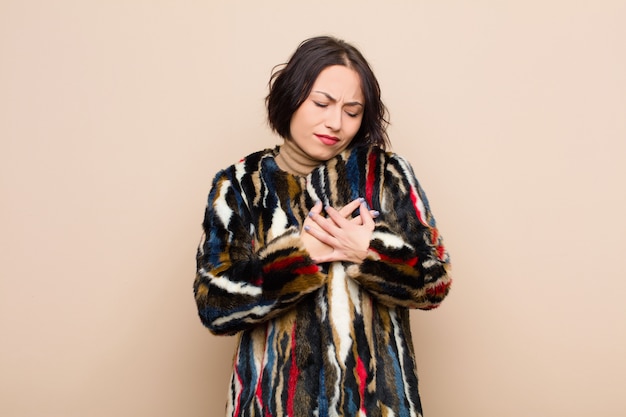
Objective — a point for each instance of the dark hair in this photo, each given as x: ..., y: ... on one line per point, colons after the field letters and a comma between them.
x: 291, y: 84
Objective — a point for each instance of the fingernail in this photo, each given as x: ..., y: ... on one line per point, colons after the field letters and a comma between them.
x: 310, y: 214
x: 361, y: 199
x: 375, y: 213
x: 307, y: 228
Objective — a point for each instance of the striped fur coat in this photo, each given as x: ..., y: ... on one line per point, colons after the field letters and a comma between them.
x: 327, y: 340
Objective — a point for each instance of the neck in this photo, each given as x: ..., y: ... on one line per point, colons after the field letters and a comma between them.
x: 291, y: 160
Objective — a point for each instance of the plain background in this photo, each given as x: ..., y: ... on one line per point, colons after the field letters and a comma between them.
x: 115, y: 115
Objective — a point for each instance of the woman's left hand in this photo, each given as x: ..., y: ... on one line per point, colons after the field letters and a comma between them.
x: 349, y: 238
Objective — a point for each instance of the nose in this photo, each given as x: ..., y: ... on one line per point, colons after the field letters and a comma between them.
x: 333, y: 119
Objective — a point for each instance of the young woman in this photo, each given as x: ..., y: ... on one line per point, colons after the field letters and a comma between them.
x: 314, y: 251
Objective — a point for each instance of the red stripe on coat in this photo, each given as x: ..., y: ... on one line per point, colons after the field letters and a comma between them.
x: 438, y: 290
x: 415, y: 198
x: 283, y: 264
x: 362, y: 373
x: 410, y: 262
x: 294, y: 372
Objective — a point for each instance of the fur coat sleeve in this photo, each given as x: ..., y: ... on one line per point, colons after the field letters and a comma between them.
x: 407, y: 263
x: 239, y: 284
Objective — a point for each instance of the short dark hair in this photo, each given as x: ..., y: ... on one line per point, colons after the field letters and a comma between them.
x: 291, y: 84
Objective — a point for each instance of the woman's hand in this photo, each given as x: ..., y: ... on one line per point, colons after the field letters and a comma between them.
x: 339, y: 237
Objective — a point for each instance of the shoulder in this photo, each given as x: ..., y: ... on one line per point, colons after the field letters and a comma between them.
x: 247, y: 165
x: 374, y: 156
x: 238, y: 179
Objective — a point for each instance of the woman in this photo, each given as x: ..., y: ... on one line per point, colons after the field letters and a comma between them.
x: 314, y: 251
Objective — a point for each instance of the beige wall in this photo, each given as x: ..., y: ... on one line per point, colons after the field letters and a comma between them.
x: 114, y: 115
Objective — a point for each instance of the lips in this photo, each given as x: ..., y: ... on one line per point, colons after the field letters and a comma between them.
x: 327, y: 140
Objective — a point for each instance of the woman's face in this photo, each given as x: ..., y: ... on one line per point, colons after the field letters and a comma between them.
x: 329, y: 117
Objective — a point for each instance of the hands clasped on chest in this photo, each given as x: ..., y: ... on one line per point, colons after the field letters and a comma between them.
x: 338, y: 236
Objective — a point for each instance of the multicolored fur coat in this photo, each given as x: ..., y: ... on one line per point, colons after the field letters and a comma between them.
x: 327, y: 340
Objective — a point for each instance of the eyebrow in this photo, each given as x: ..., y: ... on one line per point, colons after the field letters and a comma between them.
x: 331, y: 98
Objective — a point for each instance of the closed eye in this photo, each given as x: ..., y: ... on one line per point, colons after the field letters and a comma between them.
x: 353, y: 110
x: 318, y: 104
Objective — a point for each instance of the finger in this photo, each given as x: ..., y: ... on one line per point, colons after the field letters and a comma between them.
x: 320, y: 234
x: 317, y: 208
x: 336, y: 215
x: 315, y: 217
x: 358, y: 220
x: 330, y: 224
x: 367, y: 217
x: 347, y: 210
